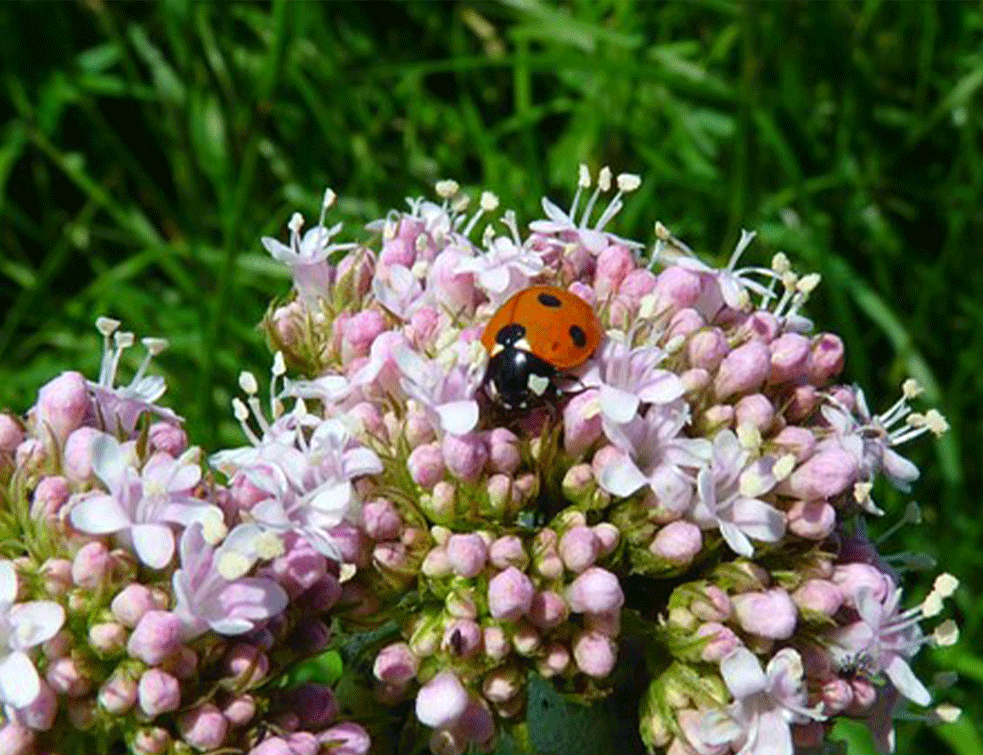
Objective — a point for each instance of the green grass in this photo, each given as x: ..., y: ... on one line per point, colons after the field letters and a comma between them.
x: 145, y: 148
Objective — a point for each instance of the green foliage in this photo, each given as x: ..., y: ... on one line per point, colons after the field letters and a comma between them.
x: 146, y: 148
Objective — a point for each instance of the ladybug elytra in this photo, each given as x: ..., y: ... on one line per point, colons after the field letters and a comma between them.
x: 538, y: 334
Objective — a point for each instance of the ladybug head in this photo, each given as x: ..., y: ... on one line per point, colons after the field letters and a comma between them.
x: 518, y: 379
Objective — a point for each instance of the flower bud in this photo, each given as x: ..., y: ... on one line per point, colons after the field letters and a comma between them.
x: 38, y: 715
x: 707, y: 348
x: 467, y: 554
x: 712, y: 605
x: 789, y: 358
x: 607, y: 538
x: 91, y: 565
x: 795, y: 440
x: 818, y: 595
x: 417, y: 428
x: 156, y: 636
x: 595, y: 591
x: 62, y: 404
x: 743, y: 370
x: 761, y: 326
x: 396, y: 664
x: 303, y: 743
x: 755, y: 409
x: 107, y: 638
x: 151, y: 740
x: 503, y: 451
x: 31, y: 455
x: 16, y: 740
x: 801, y: 403
x: 58, y: 646
x: 582, y: 422
x: 77, y: 456
x: 825, y: 474
x: 548, y: 609
x: 68, y: 678
x: 770, y: 614
x: 359, y: 333
x: 594, y: 654
x: 508, y: 551
x: 345, y: 739
x: 555, y: 660
x: 426, y: 465
x: 272, y: 746
x: 826, y: 359
x: 462, y: 638
x: 683, y: 323
x: 167, y: 437
x: 852, y: 579
x: 677, y: 542
x: 613, y: 266
x: 814, y: 520
x: 57, y: 575
x: 203, y: 727
x: 497, y: 644
x: 441, y: 701
x: 118, y: 693
x: 50, y: 496
x: 676, y: 288
x: 510, y: 594
x: 247, y: 665
x: 721, y: 641
x: 158, y: 692
x: 11, y: 434
x: 382, y: 521
x: 465, y: 455
x: 579, y: 548
x: 837, y: 696
x: 131, y: 603
x: 240, y: 710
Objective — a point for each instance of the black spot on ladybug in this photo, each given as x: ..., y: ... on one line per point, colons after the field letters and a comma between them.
x: 548, y: 300
x: 509, y: 334
x: 578, y: 335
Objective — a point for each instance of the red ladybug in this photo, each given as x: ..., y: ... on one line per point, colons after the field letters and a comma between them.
x: 537, y: 335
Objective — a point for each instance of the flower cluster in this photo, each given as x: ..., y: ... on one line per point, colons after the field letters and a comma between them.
x: 706, y: 450
x: 125, y: 614
x: 696, y: 489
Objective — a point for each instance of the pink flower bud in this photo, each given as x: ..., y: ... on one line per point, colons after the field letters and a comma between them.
x: 426, y: 465
x: 554, y: 660
x: 118, y: 694
x: 789, y: 358
x: 423, y: 326
x: 579, y: 548
x: 67, y: 678
x: 676, y: 288
x: 721, y: 641
x: 462, y: 638
x: 436, y: 564
x: 503, y: 451
x: 107, y: 638
x: 345, y: 739
x: 508, y: 551
x: 801, y: 403
x: 360, y: 331
x: 526, y: 640
x: 57, y: 574
x: 712, y: 605
x: 240, y: 710
x: 49, y: 496
x: 548, y: 609
x: 247, y: 665
x: 453, y: 288
x: 818, y: 595
x: 770, y: 614
x: 16, y: 740
x: 272, y: 746
x: 607, y: 538
x: 151, y: 741
x: 823, y: 475
x: 613, y: 266
x: 594, y: 654
x: 497, y: 644
x: 91, y: 565
x: 814, y: 520
x: 864, y: 695
x: 465, y: 455
x: 595, y: 591
x: 441, y: 701
x: 684, y: 323
x: 382, y: 521
x: 637, y: 283
x: 502, y: 684
x: 132, y: 603
x: 761, y: 326
x: 203, y: 727
x: 77, y: 456
x: 11, y: 434
x: 396, y: 664
x: 38, y: 715
x: 707, y: 348
x: 182, y: 663
x: 62, y: 404
x: 156, y: 636
x: 743, y: 370
x: 510, y: 594
x: 467, y: 554
x: 58, y: 646
x: 158, y: 692
x: 677, y: 542
x: 168, y: 438
x: 826, y: 360
x: 303, y: 743
x: 852, y: 579
x: 299, y: 568
x: 694, y: 380
x: 837, y: 696
x: 581, y: 422
x: 31, y: 455
x: 352, y: 544
x: 795, y: 440
x: 755, y: 409
x: 716, y: 418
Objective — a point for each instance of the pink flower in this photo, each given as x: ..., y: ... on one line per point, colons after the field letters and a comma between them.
x: 156, y: 636
x: 441, y: 701
x: 743, y: 370
x: 63, y: 404
x: 467, y: 554
x: 396, y: 664
x: 677, y: 542
x: 203, y: 727
x: 594, y: 653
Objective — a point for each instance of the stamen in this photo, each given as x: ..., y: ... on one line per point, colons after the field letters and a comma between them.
x: 946, y: 634
x: 247, y: 381
x: 296, y: 223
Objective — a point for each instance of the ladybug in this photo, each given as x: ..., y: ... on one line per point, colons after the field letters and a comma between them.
x: 538, y: 334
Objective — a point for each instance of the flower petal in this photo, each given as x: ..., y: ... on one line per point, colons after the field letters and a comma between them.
x: 8, y: 582
x: 758, y: 520
x: 743, y: 674
x: 98, y: 514
x: 909, y: 685
x: 621, y: 478
x: 19, y: 681
x: 34, y: 623
x: 458, y: 417
x: 153, y: 543
x: 618, y: 405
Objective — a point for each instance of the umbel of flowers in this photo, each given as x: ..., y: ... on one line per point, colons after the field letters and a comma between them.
x: 707, y: 450
x: 697, y: 489
x: 128, y: 621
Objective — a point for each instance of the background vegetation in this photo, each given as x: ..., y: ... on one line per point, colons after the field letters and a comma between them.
x: 145, y: 148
